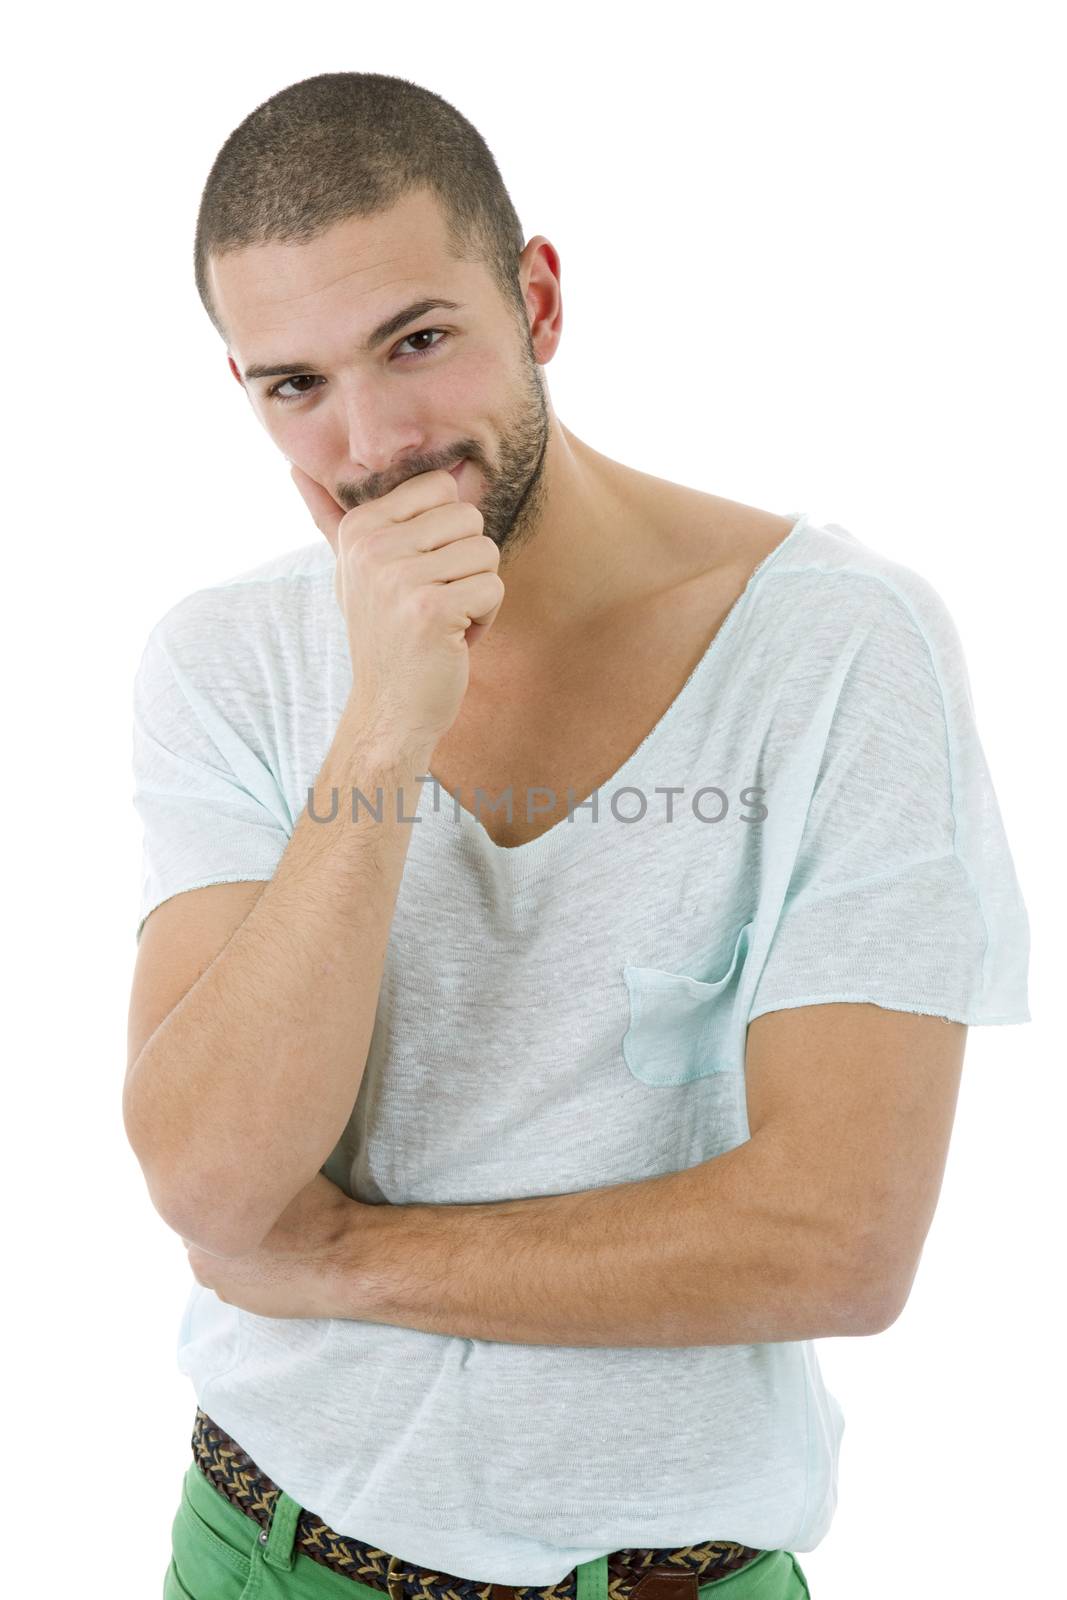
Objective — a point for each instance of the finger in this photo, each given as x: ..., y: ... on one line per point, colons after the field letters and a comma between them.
x: 325, y: 512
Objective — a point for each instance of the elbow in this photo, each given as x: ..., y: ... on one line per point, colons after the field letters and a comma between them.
x: 873, y: 1300
x: 863, y: 1316
x: 874, y: 1317
x: 215, y: 1233
x: 222, y: 1229
x: 887, y: 1303
x: 232, y: 1225
x: 861, y: 1294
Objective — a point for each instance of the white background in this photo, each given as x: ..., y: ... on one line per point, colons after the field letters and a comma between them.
x: 811, y: 260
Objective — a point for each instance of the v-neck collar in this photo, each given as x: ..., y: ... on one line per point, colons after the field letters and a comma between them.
x: 520, y: 863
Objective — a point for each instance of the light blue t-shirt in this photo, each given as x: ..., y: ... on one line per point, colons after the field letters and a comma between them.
x: 571, y: 1013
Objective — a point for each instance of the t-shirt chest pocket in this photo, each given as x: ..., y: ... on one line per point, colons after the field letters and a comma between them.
x: 683, y: 1027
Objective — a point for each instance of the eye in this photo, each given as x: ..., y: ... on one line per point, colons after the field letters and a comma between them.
x: 421, y: 335
x: 275, y: 390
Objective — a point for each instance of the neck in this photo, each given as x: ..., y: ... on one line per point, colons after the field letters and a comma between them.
x: 586, y: 553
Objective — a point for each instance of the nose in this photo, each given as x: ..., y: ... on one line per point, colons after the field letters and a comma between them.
x: 384, y: 441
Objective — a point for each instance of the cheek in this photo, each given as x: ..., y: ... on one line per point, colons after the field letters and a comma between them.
x: 486, y: 372
x: 314, y: 442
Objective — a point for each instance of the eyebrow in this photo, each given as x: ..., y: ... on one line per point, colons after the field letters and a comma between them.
x: 385, y: 330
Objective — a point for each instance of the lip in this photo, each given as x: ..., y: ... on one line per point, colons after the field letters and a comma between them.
x: 458, y: 468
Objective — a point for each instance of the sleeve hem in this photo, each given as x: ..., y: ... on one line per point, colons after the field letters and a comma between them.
x: 201, y: 883
x: 948, y: 1013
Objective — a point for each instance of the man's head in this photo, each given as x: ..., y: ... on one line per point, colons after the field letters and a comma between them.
x: 337, y: 204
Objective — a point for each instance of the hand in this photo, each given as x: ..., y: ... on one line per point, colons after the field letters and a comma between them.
x: 300, y: 1268
x: 417, y: 585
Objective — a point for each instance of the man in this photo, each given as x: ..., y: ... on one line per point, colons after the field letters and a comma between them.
x: 520, y: 1159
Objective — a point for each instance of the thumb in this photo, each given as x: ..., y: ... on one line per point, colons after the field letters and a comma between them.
x: 325, y: 512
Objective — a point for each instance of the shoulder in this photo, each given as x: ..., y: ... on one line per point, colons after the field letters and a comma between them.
x: 827, y: 590
x: 813, y: 581
x: 261, y: 616
x: 842, y: 643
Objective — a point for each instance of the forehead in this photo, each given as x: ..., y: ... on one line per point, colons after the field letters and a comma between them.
x: 361, y: 266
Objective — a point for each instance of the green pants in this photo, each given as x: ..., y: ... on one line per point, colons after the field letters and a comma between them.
x: 218, y: 1555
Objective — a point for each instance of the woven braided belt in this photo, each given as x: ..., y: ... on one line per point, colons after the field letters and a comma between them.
x: 632, y: 1574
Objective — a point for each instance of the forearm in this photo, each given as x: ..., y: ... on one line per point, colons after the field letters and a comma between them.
x: 722, y: 1253
x: 282, y: 1018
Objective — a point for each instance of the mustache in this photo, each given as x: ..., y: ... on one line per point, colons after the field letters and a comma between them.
x: 351, y: 495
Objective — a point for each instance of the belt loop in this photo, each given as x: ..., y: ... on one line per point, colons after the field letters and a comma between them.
x: 279, y: 1538
x: 592, y: 1579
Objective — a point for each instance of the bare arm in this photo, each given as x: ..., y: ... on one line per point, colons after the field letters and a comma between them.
x: 811, y: 1228
x: 239, y: 1095
x: 235, y: 1099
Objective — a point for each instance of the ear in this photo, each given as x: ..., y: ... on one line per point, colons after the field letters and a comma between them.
x: 234, y: 369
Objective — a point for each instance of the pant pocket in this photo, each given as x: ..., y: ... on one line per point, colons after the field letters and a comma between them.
x: 205, y: 1565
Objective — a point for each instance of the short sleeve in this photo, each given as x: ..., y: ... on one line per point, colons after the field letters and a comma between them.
x: 211, y: 808
x: 902, y: 891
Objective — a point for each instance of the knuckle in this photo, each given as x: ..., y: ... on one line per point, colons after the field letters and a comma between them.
x: 424, y: 603
x: 370, y: 547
